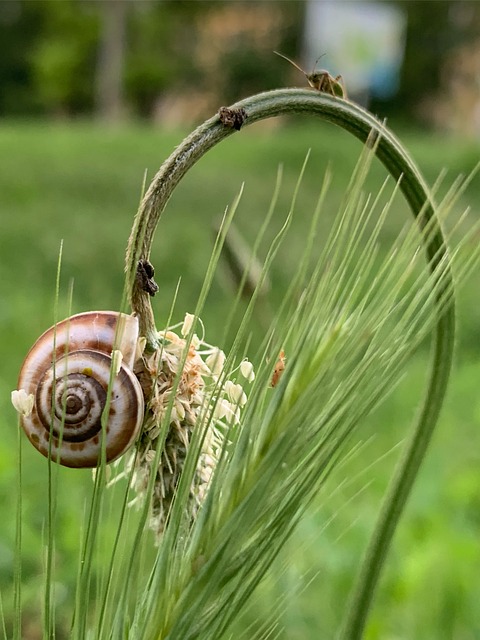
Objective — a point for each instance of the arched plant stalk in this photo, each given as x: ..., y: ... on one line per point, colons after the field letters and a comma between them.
x: 398, y: 163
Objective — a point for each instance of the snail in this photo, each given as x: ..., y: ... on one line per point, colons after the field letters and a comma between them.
x: 72, y: 366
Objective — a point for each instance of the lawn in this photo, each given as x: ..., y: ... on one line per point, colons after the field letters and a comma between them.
x: 81, y: 183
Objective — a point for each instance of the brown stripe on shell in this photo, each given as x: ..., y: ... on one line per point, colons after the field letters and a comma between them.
x: 95, y: 331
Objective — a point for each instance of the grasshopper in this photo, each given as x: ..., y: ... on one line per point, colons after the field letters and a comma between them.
x: 321, y: 80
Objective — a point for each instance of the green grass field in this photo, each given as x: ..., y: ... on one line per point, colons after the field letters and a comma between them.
x: 81, y: 184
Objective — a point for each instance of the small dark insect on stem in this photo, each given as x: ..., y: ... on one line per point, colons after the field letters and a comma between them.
x: 233, y: 118
x: 321, y: 80
x: 145, y: 273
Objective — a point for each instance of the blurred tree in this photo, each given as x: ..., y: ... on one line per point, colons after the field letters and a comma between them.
x: 147, y: 58
x: 64, y: 58
x: 249, y: 64
x: 434, y: 31
x: 160, y: 54
x: 428, y: 38
x: 235, y: 43
x: 187, y: 58
x: 111, y: 57
x: 456, y: 105
x: 21, y: 24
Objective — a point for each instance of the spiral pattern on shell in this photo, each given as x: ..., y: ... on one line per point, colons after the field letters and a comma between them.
x: 70, y: 374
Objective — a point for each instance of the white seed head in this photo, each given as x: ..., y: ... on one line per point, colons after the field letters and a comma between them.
x: 150, y: 455
x: 23, y: 402
x: 221, y: 409
x: 196, y: 400
x: 195, y: 342
x: 246, y: 369
x: 235, y: 393
x: 178, y: 411
x: 216, y: 361
x: 187, y: 324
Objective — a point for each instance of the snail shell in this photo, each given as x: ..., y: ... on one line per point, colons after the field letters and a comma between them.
x: 68, y: 371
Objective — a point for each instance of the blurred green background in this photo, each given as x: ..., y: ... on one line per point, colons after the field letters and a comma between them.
x: 92, y: 95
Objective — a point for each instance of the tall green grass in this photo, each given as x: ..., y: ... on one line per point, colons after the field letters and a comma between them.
x: 91, y: 261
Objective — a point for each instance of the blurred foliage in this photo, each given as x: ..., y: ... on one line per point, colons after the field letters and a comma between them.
x: 426, y: 43
x: 20, y: 26
x: 159, y: 51
x: 81, y: 182
x: 49, y: 51
x: 63, y: 60
x: 431, y: 37
x: 210, y: 52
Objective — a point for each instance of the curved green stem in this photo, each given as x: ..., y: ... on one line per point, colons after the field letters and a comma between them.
x: 388, y: 149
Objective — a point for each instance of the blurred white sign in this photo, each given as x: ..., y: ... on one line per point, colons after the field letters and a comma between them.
x: 362, y: 41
